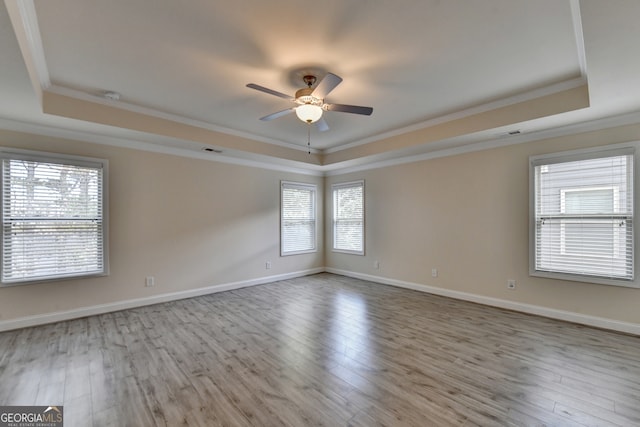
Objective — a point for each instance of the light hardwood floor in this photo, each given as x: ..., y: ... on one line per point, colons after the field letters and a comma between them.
x: 323, y: 350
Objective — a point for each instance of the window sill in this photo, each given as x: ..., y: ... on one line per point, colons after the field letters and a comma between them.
x: 585, y: 279
x: 344, y: 251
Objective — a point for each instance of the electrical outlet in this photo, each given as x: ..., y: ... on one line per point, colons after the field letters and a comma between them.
x: 376, y: 264
x: 434, y: 272
x: 149, y: 281
x: 267, y: 265
x: 511, y: 284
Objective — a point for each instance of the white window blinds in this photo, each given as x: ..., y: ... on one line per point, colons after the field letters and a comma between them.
x: 298, y: 218
x: 52, y: 219
x: 348, y: 217
x: 583, y: 209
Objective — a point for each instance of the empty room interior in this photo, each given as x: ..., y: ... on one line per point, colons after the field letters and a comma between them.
x: 341, y: 213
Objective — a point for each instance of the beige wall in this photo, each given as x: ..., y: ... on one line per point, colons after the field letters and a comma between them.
x: 189, y: 223
x: 467, y: 216
x: 196, y: 223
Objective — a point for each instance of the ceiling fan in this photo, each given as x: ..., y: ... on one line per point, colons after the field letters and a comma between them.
x: 310, y: 101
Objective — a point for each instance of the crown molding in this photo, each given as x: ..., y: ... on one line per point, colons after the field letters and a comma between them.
x: 452, y: 147
x: 22, y: 14
x: 576, y: 16
x: 134, y: 108
x: 195, y: 152
x: 500, y: 103
x: 444, y: 148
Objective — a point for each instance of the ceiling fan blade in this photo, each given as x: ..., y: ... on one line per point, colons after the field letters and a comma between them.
x: 322, y: 125
x: 355, y: 109
x: 270, y: 91
x: 278, y: 114
x: 326, y: 85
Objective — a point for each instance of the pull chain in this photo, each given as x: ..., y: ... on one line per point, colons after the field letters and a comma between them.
x: 309, y: 137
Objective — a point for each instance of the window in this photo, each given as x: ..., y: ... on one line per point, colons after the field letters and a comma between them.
x: 53, y: 217
x: 348, y: 217
x: 297, y: 218
x: 582, y: 219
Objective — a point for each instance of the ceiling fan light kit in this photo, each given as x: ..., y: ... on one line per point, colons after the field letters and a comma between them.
x: 309, y: 113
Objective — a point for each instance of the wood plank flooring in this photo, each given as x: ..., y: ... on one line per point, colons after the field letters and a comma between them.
x: 323, y: 350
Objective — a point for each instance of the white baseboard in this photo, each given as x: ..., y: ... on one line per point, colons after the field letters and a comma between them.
x: 599, y: 322
x: 583, y: 319
x: 41, y: 319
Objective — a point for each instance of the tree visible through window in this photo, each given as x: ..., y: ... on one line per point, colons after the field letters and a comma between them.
x: 52, y: 218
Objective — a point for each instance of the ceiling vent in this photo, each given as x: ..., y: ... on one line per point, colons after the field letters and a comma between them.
x: 211, y: 150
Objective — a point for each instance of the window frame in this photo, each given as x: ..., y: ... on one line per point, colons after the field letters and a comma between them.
x: 576, y: 155
x: 304, y: 186
x: 65, y: 159
x: 334, y: 188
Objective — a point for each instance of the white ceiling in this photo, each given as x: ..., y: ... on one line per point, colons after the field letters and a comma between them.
x: 415, y: 62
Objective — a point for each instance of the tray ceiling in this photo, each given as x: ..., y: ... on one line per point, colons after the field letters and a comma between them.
x: 181, y: 69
